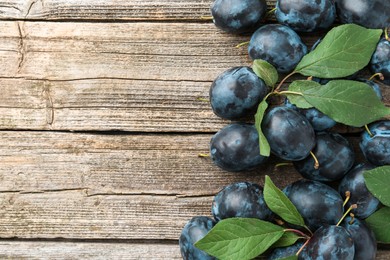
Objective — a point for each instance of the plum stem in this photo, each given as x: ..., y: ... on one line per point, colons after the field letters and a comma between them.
x: 206, y: 18
x: 283, y: 164
x: 386, y: 34
x: 368, y: 130
x: 283, y: 80
x: 302, y: 247
x: 353, y: 206
x: 316, y: 162
x: 270, y: 12
x: 352, y: 218
x: 203, y: 99
x: 347, y: 197
x: 380, y: 75
x: 204, y: 155
x: 242, y: 44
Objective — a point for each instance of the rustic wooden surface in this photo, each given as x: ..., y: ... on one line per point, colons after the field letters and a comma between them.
x: 101, y: 126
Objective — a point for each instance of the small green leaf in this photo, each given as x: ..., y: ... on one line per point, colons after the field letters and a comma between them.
x: 299, y: 86
x: 378, y: 182
x: 344, y: 50
x: 265, y: 149
x: 280, y: 204
x: 379, y: 222
x: 347, y: 101
x: 240, y: 238
x: 266, y: 72
x: 288, y: 239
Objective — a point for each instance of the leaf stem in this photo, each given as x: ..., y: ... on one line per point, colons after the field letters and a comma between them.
x: 283, y: 80
x: 308, y: 229
x: 297, y: 232
x: 386, y: 34
x: 289, y: 92
x: 353, y: 206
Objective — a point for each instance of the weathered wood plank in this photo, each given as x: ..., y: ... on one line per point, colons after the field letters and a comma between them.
x: 107, y: 104
x: 137, y: 10
x: 133, y: 77
x: 110, y: 104
x: 88, y: 186
x: 87, y: 250
x: 155, y: 51
x: 75, y: 215
x: 117, y: 164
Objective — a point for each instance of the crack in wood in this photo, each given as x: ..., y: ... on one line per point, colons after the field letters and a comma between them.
x: 22, y: 46
x: 49, y: 103
x: 33, y: 3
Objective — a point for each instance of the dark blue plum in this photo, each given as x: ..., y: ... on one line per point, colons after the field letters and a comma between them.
x: 290, y: 135
x: 306, y: 16
x: 318, y: 203
x: 193, y: 231
x: 368, y: 13
x: 353, y: 182
x: 238, y: 16
x: 363, y: 237
x: 241, y: 199
x: 335, y: 156
x: 330, y: 243
x: 283, y: 252
x: 279, y: 45
x: 318, y: 120
x: 236, y: 93
x: 374, y: 87
x: 376, y: 148
x: 380, y: 60
x: 236, y: 148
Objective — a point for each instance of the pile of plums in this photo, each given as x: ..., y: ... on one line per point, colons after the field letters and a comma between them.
x: 306, y: 137
x: 321, y: 206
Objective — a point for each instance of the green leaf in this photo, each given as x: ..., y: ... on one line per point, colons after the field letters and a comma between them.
x: 266, y: 72
x: 299, y: 86
x: 265, y: 149
x: 288, y: 239
x: 240, y: 238
x: 344, y: 50
x: 378, y: 182
x: 347, y: 101
x: 280, y: 204
x: 379, y: 222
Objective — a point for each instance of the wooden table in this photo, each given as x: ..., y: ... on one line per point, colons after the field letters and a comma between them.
x: 101, y: 126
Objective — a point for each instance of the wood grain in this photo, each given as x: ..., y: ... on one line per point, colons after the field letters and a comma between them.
x: 153, y: 51
x: 33, y: 250
x: 134, y: 10
x: 130, y: 77
x: 75, y: 215
x: 136, y: 164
